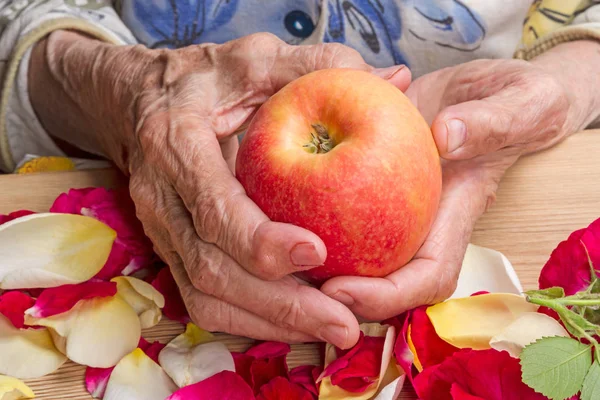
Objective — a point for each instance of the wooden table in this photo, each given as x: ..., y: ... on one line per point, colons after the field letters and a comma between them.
x: 541, y: 200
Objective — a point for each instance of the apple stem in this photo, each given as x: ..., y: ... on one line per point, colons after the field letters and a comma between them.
x: 320, y: 142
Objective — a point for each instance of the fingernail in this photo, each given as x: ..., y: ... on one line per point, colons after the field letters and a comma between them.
x: 343, y: 298
x: 335, y: 334
x: 389, y: 72
x: 305, y: 255
x: 456, y: 134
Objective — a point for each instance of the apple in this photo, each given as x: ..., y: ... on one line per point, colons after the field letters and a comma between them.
x: 346, y: 155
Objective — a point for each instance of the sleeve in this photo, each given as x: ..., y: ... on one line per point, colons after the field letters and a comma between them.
x: 22, y: 24
x: 552, y: 22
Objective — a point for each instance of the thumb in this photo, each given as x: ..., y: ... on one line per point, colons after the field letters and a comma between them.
x: 467, y: 130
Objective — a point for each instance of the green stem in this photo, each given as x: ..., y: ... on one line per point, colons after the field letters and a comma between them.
x: 564, y: 301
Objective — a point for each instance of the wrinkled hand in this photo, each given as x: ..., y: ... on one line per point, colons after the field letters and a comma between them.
x: 185, y: 106
x: 484, y: 115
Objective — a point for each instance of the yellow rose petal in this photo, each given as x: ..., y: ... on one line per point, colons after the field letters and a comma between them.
x: 27, y: 353
x: 14, y: 389
x: 48, y: 250
x: 471, y: 322
x: 328, y: 391
x: 145, y: 300
x: 137, y: 377
x: 525, y: 330
x: 97, y: 332
x: 411, y: 347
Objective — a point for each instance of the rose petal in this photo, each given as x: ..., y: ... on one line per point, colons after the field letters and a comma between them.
x: 137, y: 377
x: 306, y: 376
x: 261, y: 363
x: 471, y: 322
x: 48, y: 250
x: 14, y: 215
x: 365, y: 387
x: 96, y: 332
x: 132, y: 250
x: 403, y: 352
x: 13, y: 306
x: 280, y: 388
x: 14, y: 389
x: 525, y: 330
x: 429, y: 348
x: 174, y: 308
x: 152, y: 350
x: 145, y: 300
x: 225, y: 385
x: 192, y: 357
x: 486, y: 270
x: 569, y: 265
x: 96, y: 379
x: 458, y: 393
x: 57, y: 300
x: 27, y: 353
x: 392, y: 390
x: 488, y: 374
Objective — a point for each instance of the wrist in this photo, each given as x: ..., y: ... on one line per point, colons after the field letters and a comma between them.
x: 84, y: 91
x: 575, y: 65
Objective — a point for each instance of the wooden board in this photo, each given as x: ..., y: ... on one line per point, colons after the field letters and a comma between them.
x: 541, y: 200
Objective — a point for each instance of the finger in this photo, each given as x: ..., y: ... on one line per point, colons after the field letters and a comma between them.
x: 215, y: 315
x: 399, y: 76
x: 224, y: 215
x: 284, y: 303
x: 513, y: 117
x: 433, y: 273
x: 229, y: 149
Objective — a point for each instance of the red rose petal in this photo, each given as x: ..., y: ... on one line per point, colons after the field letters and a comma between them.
x: 132, y: 250
x: 568, y: 265
x: 458, y: 393
x: 431, y: 349
x: 13, y: 306
x: 152, y: 350
x: 261, y: 363
x: 14, y: 215
x: 174, y: 308
x: 280, y: 388
x: 404, y: 356
x: 96, y: 379
x: 225, y: 385
x: 57, y: 300
x: 488, y: 374
x: 269, y: 350
x: 356, y: 369
x: 306, y: 376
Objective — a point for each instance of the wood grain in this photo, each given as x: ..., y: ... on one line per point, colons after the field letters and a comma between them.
x: 540, y: 201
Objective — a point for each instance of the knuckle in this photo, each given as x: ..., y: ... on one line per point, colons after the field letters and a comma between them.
x: 207, y: 272
x: 289, y: 315
x: 339, y: 55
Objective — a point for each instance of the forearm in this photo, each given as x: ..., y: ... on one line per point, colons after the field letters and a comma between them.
x: 83, y: 91
x: 575, y: 64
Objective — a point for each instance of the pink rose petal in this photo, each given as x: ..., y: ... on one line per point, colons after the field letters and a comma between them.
x: 306, y: 376
x: 96, y: 379
x: 57, y: 300
x: 174, y: 308
x: 568, y: 265
x: 132, y: 250
x: 356, y: 369
x: 13, y: 305
x: 225, y: 385
x: 457, y: 393
x: 280, y: 388
x: 402, y: 353
x: 14, y: 215
x: 269, y: 350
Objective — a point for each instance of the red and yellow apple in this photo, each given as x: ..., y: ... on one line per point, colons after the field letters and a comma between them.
x: 346, y: 155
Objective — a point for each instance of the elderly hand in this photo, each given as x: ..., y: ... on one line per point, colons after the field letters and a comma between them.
x: 169, y: 118
x: 484, y: 114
